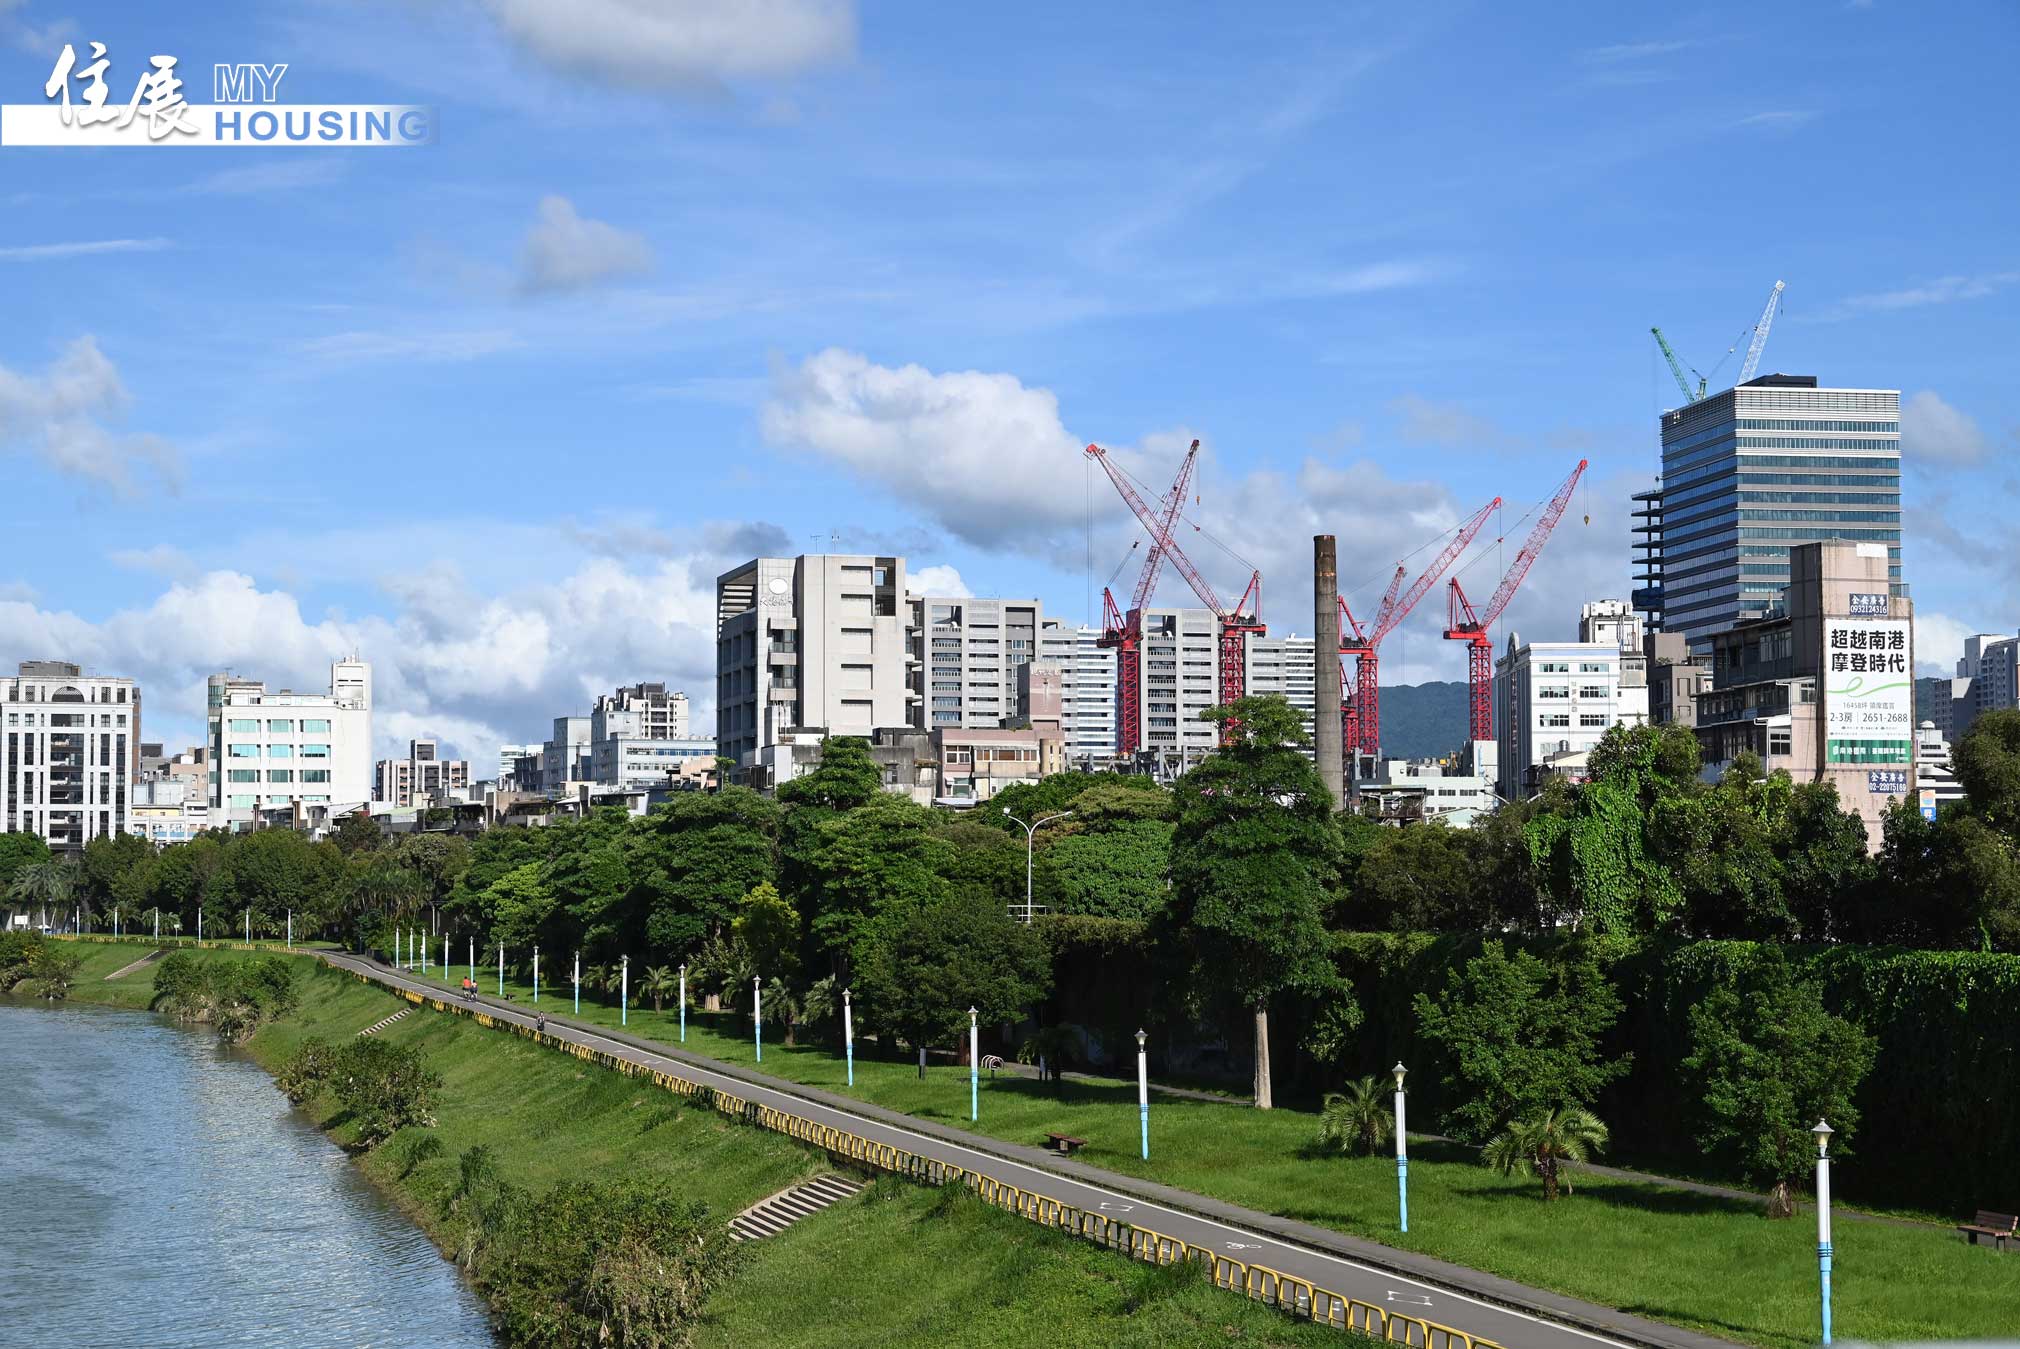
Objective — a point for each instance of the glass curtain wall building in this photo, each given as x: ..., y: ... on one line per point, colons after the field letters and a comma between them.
x: 1751, y: 472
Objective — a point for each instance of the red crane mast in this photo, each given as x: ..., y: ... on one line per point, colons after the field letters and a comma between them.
x: 1124, y: 631
x: 1464, y: 625
x: 1363, y: 712
x: 1235, y: 623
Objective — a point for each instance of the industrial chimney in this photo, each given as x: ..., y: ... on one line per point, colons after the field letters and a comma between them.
x: 1326, y: 663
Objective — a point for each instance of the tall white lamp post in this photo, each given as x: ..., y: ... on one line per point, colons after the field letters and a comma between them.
x: 849, y: 1035
x: 974, y: 1068
x: 1823, y: 1136
x: 1402, y: 1153
x: 578, y: 983
x: 757, y: 1020
x: 1143, y: 1090
x: 683, y: 1002
x: 536, y: 975
x: 623, y: 990
x: 1030, y: 836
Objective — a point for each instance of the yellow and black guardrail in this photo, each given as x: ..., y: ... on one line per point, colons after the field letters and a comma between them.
x: 1299, y: 1297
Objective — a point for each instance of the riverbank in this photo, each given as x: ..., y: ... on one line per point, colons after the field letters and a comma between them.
x: 898, y: 1265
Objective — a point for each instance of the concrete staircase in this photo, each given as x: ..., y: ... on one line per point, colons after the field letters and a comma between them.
x: 378, y: 1026
x: 774, y: 1215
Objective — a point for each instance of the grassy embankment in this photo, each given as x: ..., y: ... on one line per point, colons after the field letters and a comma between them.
x: 1694, y: 1260
x: 899, y: 1265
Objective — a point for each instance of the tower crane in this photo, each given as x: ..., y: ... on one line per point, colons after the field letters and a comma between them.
x: 1362, y: 719
x: 1760, y: 334
x: 1236, y: 623
x: 1123, y: 630
x: 1464, y: 625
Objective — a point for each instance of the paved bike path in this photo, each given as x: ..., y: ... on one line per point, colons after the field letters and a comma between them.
x: 1480, y: 1304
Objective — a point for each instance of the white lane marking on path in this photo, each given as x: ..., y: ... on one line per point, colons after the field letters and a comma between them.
x: 1375, y: 1271
x: 1242, y: 1245
x: 1414, y: 1299
x: 1118, y: 1208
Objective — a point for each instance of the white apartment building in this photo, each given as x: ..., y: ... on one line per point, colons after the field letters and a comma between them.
x: 641, y: 762
x: 970, y: 650
x: 564, y: 759
x: 1181, y: 679
x: 509, y: 757
x: 1554, y: 700
x: 169, y: 810
x: 1936, y: 783
x: 1286, y: 666
x: 816, y: 641
x: 420, y: 778
x: 1087, y: 685
x: 1460, y: 792
x: 273, y: 749
x: 643, y: 711
x: 70, y: 753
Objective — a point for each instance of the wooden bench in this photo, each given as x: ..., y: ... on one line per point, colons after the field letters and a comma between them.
x: 2000, y: 1228
x: 1065, y: 1144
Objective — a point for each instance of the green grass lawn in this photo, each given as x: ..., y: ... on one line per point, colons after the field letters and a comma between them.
x: 899, y: 1266
x: 134, y: 990
x: 1693, y: 1260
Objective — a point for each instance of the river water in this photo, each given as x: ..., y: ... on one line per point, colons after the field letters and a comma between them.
x: 156, y: 1189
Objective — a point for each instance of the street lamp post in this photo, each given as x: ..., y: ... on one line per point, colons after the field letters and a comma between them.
x: 1143, y: 1090
x: 683, y: 1002
x: 291, y: 929
x: 1402, y: 1153
x: 248, y: 927
x: 501, y: 969
x: 849, y: 1035
x: 157, y: 923
x: 473, y: 963
x: 757, y: 1020
x: 536, y: 974
x: 623, y: 990
x: 974, y: 1068
x: 1823, y: 1137
x: 445, y: 958
x: 1030, y: 836
x: 578, y: 983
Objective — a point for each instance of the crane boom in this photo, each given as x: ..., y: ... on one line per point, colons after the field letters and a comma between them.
x: 1394, y: 613
x: 1760, y: 334
x: 1676, y: 369
x: 1159, y: 535
x: 1531, y: 546
x: 1146, y: 584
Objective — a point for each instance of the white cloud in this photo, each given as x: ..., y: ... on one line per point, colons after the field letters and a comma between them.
x: 1934, y: 432
x: 1425, y: 421
x: 83, y: 248
x: 1939, y: 641
x: 942, y: 581
x: 1634, y: 51
x: 1942, y: 290
x: 61, y: 416
x: 680, y: 45
x: 983, y: 455
x: 566, y: 251
x: 463, y: 345
x: 476, y: 669
x: 162, y: 560
x: 1781, y: 118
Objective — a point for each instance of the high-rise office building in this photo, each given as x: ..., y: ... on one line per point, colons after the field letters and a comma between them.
x: 69, y: 753
x: 419, y: 778
x: 270, y: 749
x: 1087, y: 687
x: 970, y: 650
x: 1748, y: 474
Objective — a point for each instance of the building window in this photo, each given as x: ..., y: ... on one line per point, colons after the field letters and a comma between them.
x: 245, y: 724
x: 281, y: 727
x: 280, y: 751
x: 1592, y: 667
x: 312, y: 724
x: 1594, y: 691
x: 244, y: 775
x: 242, y: 802
x: 243, y: 751
x: 280, y: 775
x: 315, y: 751
x: 1591, y: 719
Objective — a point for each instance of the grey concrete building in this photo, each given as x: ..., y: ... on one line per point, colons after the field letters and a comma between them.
x: 971, y: 650
x: 1181, y: 679
x: 1087, y: 688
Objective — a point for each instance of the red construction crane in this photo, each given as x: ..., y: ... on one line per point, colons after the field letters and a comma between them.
x: 1463, y: 625
x: 1124, y: 630
x: 1235, y: 623
x: 1362, y: 719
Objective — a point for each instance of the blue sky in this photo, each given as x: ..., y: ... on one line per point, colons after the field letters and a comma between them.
x: 673, y: 287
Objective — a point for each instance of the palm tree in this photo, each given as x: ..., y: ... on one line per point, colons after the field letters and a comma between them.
x: 1356, y: 1120
x: 821, y: 1002
x: 602, y: 978
x: 1546, y: 1142
x: 780, y: 1004
x: 658, y: 982
x: 45, y: 884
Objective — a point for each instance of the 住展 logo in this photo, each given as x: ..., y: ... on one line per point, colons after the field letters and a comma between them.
x: 78, y: 109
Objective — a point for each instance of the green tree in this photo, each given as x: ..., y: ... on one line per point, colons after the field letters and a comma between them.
x: 846, y: 779
x: 1112, y: 856
x: 270, y: 871
x: 884, y: 854
x: 1766, y: 1063
x: 43, y: 887
x: 1520, y: 1036
x: 1356, y: 1120
x: 659, y: 984
x: 357, y: 833
x: 520, y: 905
x: 770, y: 930
x: 1542, y: 1144
x: 696, y: 857
x: 18, y: 850
x: 53, y: 967
x: 1027, y: 801
x: 932, y: 960
x: 103, y: 867
x: 1423, y: 878
x: 1253, y: 863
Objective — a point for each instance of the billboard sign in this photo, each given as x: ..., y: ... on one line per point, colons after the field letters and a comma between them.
x: 1869, y: 606
x: 1869, y: 693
